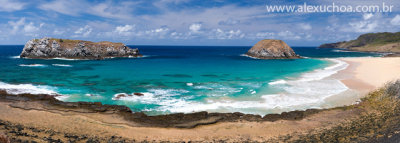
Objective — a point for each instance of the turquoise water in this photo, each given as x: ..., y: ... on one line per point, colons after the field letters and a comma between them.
x: 182, y: 79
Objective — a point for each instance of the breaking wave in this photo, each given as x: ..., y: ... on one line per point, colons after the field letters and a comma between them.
x: 32, y: 65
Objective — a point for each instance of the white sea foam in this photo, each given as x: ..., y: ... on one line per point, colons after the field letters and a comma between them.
x: 342, y: 51
x: 325, y: 72
x: 66, y: 59
x: 281, y: 81
x: 164, y: 97
x: 32, y: 65
x: 244, y: 55
x: 14, y: 57
x: 62, y: 65
x: 27, y: 88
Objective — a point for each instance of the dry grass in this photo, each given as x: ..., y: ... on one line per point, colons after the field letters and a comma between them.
x: 380, y: 122
x: 4, y: 138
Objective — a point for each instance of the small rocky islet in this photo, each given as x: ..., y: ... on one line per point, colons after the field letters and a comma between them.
x: 272, y: 49
x: 48, y: 48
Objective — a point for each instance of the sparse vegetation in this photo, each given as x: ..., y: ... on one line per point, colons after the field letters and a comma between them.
x: 371, y: 42
x: 380, y: 123
x: 4, y: 138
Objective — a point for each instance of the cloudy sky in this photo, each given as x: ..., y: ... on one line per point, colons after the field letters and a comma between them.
x: 187, y: 22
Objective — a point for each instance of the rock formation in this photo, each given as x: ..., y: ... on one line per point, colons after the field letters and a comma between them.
x: 47, y: 48
x: 272, y: 49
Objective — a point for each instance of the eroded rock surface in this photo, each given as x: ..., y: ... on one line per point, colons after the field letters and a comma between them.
x: 47, y: 48
x: 272, y: 49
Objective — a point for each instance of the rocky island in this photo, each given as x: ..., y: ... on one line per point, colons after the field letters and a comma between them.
x: 47, y: 48
x: 371, y: 42
x: 272, y: 49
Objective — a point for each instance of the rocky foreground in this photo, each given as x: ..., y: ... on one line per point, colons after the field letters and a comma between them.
x: 272, y: 49
x: 48, y: 48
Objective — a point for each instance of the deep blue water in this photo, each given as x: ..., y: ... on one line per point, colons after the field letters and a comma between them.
x: 183, y: 79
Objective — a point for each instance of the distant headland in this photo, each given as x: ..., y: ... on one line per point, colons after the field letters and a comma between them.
x: 371, y: 42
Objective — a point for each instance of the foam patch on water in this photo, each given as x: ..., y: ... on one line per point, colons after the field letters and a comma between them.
x: 244, y: 55
x: 15, y: 57
x: 163, y: 97
x: 61, y: 65
x: 281, y: 81
x: 27, y: 88
x: 32, y: 65
x: 66, y: 59
x: 341, y: 51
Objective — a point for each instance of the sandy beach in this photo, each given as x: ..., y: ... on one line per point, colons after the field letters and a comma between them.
x: 369, y: 73
x: 362, y: 74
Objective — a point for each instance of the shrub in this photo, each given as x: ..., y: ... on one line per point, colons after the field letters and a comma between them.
x: 393, y: 89
x: 4, y: 139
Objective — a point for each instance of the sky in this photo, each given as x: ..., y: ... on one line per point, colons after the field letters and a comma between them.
x: 188, y: 22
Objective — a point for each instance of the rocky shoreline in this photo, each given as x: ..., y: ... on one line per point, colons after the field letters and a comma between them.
x: 177, y: 120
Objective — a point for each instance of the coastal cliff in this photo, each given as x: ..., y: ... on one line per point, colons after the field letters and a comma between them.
x: 272, y: 49
x: 371, y: 42
x: 47, y: 48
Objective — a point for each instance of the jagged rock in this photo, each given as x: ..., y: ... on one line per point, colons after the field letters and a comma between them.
x: 272, y: 49
x: 47, y: 48
x: 138, y: 94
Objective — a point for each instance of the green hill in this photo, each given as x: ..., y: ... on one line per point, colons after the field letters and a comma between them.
x: 371, y: 42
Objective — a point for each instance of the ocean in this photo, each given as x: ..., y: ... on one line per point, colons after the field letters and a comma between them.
x: 184, y: 79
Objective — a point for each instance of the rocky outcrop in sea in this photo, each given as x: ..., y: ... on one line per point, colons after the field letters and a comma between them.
x: 47, y: 48
x: 272, y: 49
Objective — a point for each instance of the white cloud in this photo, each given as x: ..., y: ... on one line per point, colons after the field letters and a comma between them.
x: 29, y: 28
x: 261, y: 35
x: 289, y: 35
x: 154, y: 33
x: 22, y: 27
x: 230, y: 34
x: 70, y: 7
x: 305, y: 26
x: 10, y: 6
x: 83, y: 31
x: 196, y: 27
x: 58, y: 32
x: 16, y: 25
x: 229, y: 22
x: 108, y: 9
x: 368, y: 23
x: 124, y: 30
x: 363, y: 26
x: 367, y: 16
x: 395, y: 20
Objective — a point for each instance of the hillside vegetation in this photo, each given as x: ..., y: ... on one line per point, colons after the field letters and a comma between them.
x: 371, y: 42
